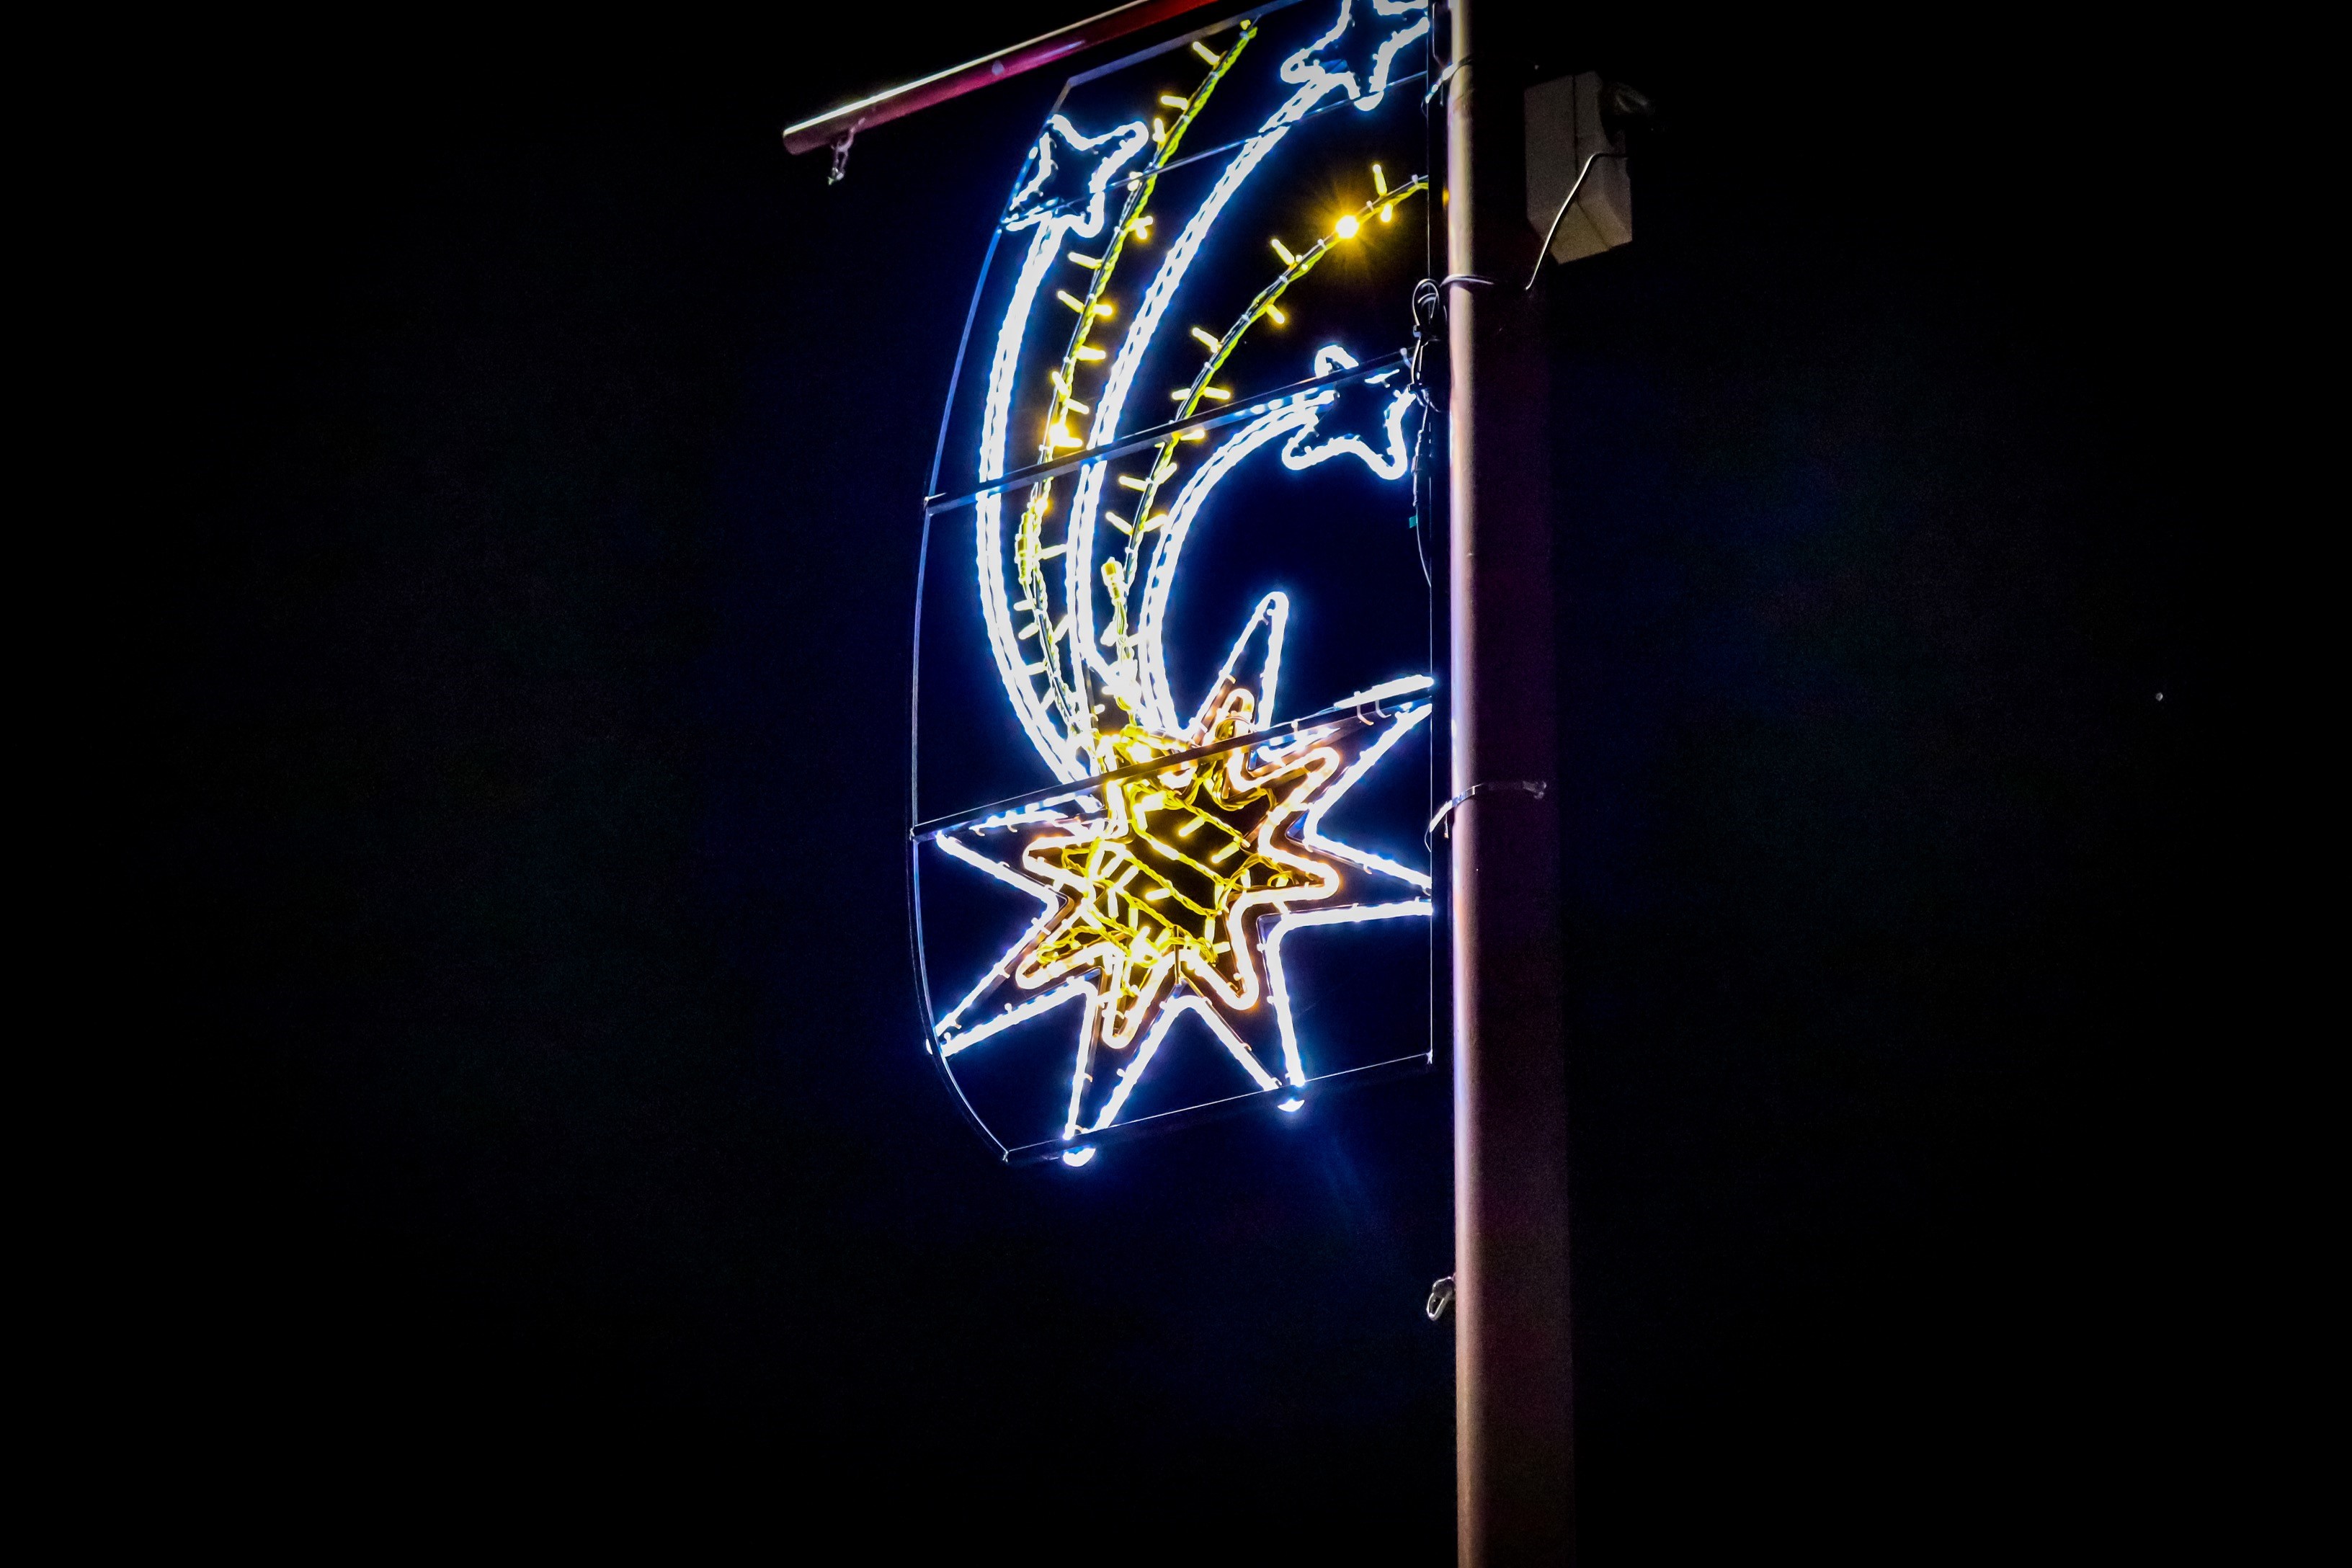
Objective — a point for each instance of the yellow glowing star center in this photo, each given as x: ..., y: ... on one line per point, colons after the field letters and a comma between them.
x: 1174, y: 884
x: 1168, y: 893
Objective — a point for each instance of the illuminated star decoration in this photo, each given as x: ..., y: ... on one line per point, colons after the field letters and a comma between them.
x: 1174, y: 890
x: 1342, y: 423
x: 1175, y: 896
x: 1070, y: 184
x: 1363, y: 58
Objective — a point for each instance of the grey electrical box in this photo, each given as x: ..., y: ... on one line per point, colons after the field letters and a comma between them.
x: 1564, y: 128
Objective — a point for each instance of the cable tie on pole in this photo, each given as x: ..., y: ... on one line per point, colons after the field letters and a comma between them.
x: 1538, y: 788
x: 1443, y: 78
x: 1429, y: 317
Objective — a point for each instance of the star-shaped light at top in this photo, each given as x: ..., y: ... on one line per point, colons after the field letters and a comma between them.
x: 1068, y: 174
x: 1363, y: 418
x: 1361, y: 50
x: 1174, y: 895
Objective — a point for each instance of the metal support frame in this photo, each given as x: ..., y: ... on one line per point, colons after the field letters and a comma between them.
x: 1363, y: 710
x: 1152, y: 435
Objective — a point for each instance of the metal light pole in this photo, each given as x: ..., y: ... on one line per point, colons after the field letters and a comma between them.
x: 1513, y: 1452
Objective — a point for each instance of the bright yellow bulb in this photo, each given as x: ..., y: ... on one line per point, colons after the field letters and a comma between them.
x: 1103, y: 309
x: 1276, y: 311
x: 1347, y: 227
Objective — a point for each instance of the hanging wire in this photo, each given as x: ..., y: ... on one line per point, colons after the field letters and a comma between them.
x: 1428, y: 331
x: 1428, y: 307
x: 1567, y: 202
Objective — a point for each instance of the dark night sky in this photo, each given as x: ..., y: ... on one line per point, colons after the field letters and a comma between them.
x: 547, y: 447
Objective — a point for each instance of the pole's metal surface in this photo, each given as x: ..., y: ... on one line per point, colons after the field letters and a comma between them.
x: 1513, y: 1454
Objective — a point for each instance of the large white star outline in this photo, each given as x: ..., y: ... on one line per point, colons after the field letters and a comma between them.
x: 1176, y: 894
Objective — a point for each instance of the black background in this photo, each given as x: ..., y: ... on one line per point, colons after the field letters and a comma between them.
x: 544, y: 1089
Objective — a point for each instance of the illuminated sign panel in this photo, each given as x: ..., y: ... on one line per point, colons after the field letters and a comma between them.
x: 1173, y: 657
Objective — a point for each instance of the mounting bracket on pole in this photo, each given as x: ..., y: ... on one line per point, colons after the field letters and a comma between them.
x: 1538, y: 788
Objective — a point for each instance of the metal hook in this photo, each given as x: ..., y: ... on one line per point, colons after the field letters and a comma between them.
x: 1536, y: 787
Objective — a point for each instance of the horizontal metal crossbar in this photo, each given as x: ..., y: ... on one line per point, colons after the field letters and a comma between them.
x: 1364, y: 710
x: 955, y: 81
x: 1386, y: 365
